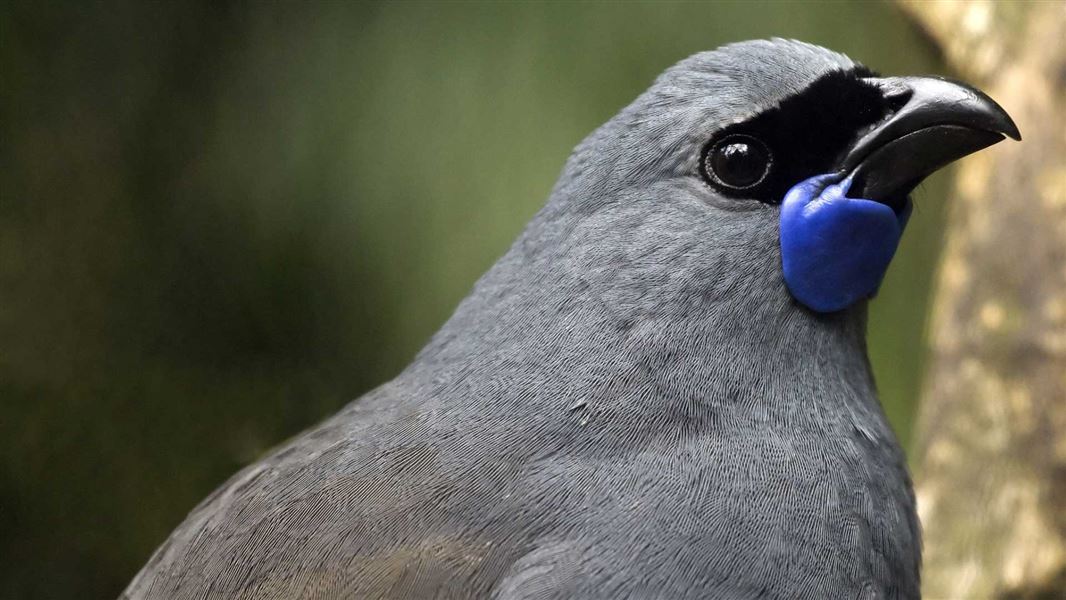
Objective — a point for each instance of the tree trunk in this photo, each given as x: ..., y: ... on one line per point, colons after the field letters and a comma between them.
x: 991, y: 435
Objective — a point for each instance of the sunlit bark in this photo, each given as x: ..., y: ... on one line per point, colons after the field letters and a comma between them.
x: 991, y: 439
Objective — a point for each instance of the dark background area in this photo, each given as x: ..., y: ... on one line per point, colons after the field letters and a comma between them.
x: 219, y: 222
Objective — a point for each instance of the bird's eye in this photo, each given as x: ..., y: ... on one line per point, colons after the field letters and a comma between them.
x: 737, y: 162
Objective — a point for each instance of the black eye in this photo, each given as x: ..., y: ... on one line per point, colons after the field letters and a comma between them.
x: 737, y: 162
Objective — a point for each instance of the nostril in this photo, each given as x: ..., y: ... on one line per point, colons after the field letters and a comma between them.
x: 897, y: 99
x: 894, y: 90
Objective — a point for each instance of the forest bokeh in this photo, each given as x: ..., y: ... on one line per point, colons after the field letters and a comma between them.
x: 219, y: 222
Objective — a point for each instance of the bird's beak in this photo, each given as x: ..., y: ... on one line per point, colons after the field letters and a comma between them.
x: 936, y: 122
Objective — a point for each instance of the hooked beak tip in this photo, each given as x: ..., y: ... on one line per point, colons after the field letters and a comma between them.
x: 936, y: 123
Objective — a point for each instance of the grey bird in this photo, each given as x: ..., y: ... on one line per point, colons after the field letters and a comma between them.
x: 660, y: 391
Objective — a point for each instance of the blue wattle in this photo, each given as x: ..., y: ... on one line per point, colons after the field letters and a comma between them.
x: 834, y: 249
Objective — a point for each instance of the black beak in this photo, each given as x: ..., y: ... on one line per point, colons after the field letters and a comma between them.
x: 937, y: 122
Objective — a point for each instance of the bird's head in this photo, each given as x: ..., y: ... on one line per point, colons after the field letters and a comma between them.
x: 771, y: 169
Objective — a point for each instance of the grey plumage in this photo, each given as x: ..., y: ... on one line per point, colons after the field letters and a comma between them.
x: 629, y: 404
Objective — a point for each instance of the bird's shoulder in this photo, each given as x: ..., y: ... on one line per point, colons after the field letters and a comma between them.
x: 377, y: 501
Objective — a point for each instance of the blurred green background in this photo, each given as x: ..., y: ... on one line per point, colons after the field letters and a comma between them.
x: 221, y: 221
